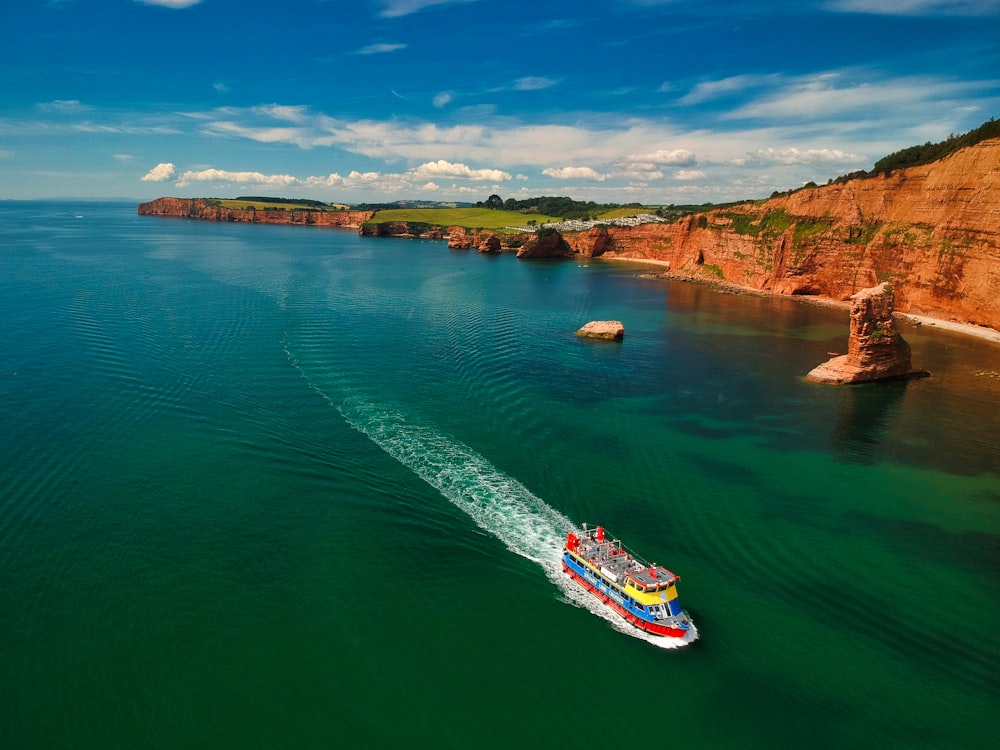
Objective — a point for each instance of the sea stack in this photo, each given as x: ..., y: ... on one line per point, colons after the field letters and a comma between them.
x: 609, y: 330
x: 875, y: 350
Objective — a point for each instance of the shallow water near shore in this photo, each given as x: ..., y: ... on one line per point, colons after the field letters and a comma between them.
x: 289, y: 487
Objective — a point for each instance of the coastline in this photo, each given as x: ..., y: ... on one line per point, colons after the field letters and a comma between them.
x: 981, y: 332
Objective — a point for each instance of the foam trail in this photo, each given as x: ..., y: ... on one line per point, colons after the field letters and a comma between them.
x: 499, y: 504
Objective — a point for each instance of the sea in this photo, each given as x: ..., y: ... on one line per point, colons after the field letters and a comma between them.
x: 288, y: 487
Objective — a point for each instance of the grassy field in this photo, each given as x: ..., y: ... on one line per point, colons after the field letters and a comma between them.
x: 471, y: 218
x: 265, y: 205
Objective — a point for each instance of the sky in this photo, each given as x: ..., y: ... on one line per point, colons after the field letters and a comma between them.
x: 346, y: 101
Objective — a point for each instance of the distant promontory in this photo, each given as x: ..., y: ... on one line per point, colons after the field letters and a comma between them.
x: 225, y: 211
x: 931, y: 231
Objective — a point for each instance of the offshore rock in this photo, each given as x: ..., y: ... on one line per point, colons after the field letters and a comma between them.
x: 545, y: 245
x: 610, y: 330
x: 875, y: 350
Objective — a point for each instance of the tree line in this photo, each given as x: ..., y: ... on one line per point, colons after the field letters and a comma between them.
x: 567, y: 208
x: 917, y: 156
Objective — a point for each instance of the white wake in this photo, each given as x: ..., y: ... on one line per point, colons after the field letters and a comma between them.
x: 499, y: 504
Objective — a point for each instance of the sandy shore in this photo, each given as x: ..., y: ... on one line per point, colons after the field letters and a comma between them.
x: 989, y: 334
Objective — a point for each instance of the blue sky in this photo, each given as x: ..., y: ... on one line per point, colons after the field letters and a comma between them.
x: 656, y: 101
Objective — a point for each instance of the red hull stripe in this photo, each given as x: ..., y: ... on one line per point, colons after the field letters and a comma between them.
x: 638, y: 622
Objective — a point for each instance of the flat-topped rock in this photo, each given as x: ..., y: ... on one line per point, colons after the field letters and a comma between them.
x: 610, y: 330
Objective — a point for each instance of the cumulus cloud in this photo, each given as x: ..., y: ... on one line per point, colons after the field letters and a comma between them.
x: 574, y: 173
x: 245, y: 178
x: 675, y: 157
x: 689, y: 174
x: 423, y: 177
x: 442, y: 168
x: 798, y: 156
x: 161, y: 172
x: 642, y: 171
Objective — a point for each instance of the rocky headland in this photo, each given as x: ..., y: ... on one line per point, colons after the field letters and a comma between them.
x: 208, y: 210
x: 932, y: 232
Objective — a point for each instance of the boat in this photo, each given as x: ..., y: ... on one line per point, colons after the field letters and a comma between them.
x: 644, y: 594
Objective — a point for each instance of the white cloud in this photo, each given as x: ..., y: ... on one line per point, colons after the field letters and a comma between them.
x: 689, y: 174
x: 841, y: 94
x: 442, y: 168
x: 808, y: 156
x: 122, y: 157
x: 63, y: 106
x: 533, y: 83
x: 364, y: 176
x: 170, y: 3
x: 378, y: 49
x: 161, y: 172
x: 289, y: 112
x: 644, y: 172
x: 675, y: 157
x: 710, y: 90
x: 443, y: 99
x: 574, y: 173
x: 397, y: 8
x: 243, y: 178
x: 917, y: 7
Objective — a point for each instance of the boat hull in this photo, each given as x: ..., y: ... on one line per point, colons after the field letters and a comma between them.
x: 637, y: 622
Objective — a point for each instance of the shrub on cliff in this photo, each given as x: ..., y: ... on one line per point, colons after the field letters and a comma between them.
x: 917, y: 156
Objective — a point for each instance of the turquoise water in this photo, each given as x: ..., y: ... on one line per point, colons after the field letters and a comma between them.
x: 289, y: 487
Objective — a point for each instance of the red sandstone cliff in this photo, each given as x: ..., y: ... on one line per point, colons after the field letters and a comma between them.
x: 932, y: 232
x: 197, y: 208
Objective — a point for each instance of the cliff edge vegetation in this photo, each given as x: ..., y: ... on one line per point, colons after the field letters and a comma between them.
x: 931, y: 231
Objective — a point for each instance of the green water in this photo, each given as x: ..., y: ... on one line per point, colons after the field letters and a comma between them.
x: 288, y: 487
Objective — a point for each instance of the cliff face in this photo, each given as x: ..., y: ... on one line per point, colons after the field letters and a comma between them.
x: 545, y: 246
x: 195, y: 208
x: 932, y: 232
